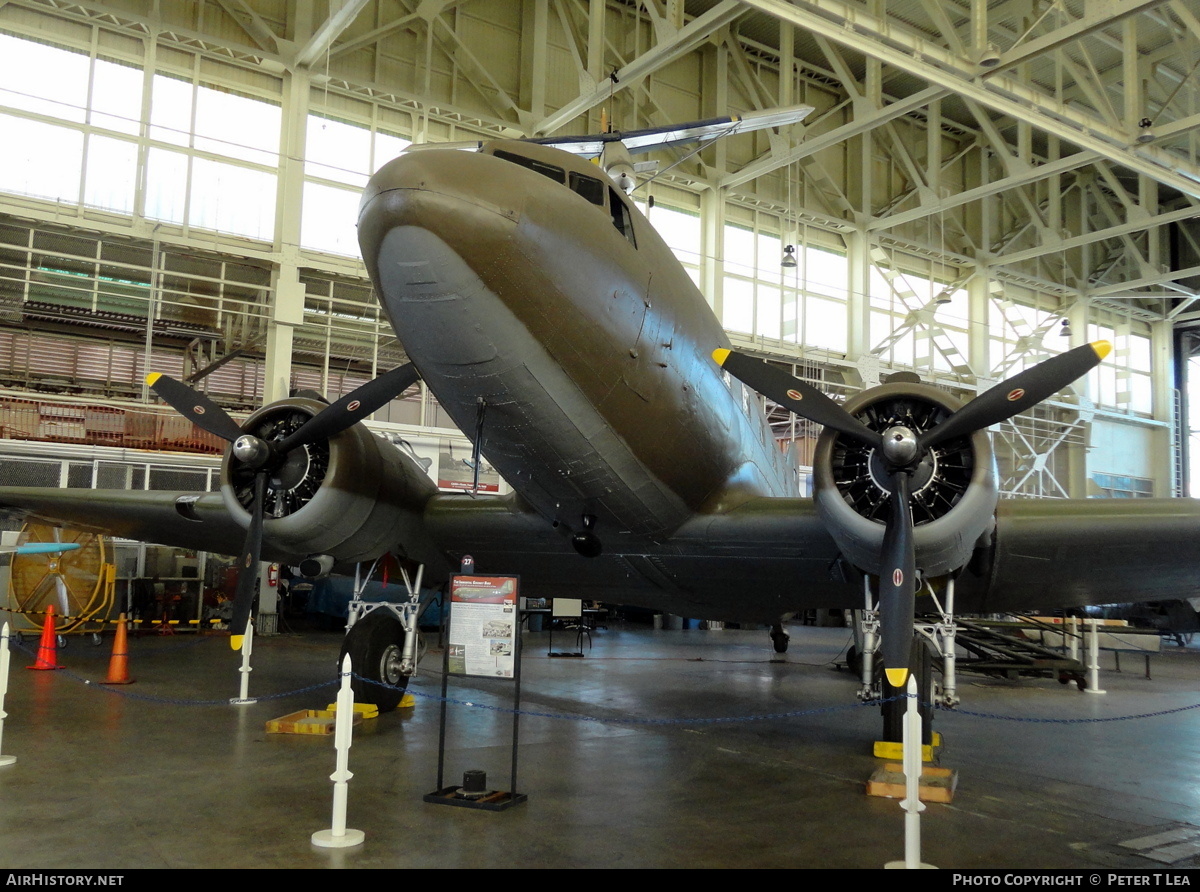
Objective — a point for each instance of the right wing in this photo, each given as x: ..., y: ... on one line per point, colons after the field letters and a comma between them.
x: 196, y: 521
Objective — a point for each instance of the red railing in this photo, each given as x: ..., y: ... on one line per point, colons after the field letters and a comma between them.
x: 130, y: 428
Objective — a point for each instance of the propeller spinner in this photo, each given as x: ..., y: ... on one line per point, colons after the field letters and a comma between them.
x: 265, y: 456
x: 903, y: 450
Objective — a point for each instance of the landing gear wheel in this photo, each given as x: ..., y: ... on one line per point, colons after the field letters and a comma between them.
x: 854, y: 661
x: 780, y: 638
x: 375, y: 644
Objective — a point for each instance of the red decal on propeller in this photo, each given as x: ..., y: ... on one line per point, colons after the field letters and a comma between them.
x: 199, y: 410
x: 1015, y: 395
x: 354, y: 405
x: 898, y: 578
x: 795, y: 395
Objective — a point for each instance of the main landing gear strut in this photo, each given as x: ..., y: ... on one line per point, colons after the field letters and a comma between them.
x: 931, y: 639
x: 382, y: 641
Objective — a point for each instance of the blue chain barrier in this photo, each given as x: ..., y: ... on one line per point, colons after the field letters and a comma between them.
x: 459, y: 701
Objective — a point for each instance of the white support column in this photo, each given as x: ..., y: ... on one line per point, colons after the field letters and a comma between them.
x: 1162, y: 390
x: 712, y: 263
x: 979, y: 290
x: 858, y: 303
x: 287, y: 293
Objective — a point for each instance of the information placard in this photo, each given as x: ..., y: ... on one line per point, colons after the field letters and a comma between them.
x: 483, y: 626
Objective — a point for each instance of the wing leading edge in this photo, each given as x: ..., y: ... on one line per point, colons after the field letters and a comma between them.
x: 185, y: 520
x: 766, y: 558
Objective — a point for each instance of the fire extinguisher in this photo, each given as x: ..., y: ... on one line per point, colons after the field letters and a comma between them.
x: 273, y: 575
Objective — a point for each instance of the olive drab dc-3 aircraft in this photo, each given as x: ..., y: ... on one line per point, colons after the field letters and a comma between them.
x: 549, y: 318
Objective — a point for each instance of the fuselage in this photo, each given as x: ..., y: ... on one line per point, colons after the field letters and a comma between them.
x: 522, y: 277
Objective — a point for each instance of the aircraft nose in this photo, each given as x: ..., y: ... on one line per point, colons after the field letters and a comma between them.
x: 458, y: 196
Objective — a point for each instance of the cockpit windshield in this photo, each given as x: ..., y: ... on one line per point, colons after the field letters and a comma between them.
x: 593, y: 189
x: 547, y: 170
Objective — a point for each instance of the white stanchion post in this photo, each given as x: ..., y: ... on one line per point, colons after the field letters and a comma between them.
x: 5, y: 658
x: 1073, y: 649
x: 912, y: 804
x: 343, y: 734
x: 243, y: 697
x: 1093, y: 682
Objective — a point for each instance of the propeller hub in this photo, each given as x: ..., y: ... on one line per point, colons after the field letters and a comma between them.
x: 251, y: 451
x: 900, y: 446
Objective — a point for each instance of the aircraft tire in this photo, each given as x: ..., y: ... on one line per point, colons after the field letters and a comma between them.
x: 854, y: 661
x: 780, y: 639
x: 374, y: 644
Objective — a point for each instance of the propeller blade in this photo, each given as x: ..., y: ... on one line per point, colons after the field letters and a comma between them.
x: 353, y: 407
x: 897, y: 584
x: 801, y: 398
x: 243, y: 598
x: 195, y: 406
x: 1018, y: 393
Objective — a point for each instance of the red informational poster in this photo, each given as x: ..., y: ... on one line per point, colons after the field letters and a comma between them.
x: 483, y: 625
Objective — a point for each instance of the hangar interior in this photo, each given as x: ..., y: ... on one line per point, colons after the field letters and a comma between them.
x: 982, y: 184
x: 198, y: 165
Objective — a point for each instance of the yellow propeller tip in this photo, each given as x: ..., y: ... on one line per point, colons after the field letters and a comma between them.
x: 235, y: 641
x: 720, y: 355
x: 897, y: 678
x: 152, y: 377
x: 1102, y: 348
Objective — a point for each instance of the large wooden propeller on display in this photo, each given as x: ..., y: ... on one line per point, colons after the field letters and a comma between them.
x: 266, y: 456
x: 903, y: 449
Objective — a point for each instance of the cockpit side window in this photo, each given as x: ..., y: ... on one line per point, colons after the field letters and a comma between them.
x: 589, y: 187
x: 547, y: 170
x: 620, y: 216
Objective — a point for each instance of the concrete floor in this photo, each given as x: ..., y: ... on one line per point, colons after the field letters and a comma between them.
x: 149, y: 776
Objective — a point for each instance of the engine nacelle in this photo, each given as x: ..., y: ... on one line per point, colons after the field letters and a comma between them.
x: 353, y: 497
x: 954, y: 490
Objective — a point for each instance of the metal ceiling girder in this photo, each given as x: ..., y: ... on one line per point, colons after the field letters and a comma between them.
x: 1168, y: 276
x: 815, y: 144
x: 1100, y: 14
x: 250, y: 22
x: 1100, y: 235
x: 686, y: 39
x: 339, y: 20
x: 1030, y: 175
x: 855, y: 27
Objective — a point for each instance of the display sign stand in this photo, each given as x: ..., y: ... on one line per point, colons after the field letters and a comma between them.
x: 482, y: 633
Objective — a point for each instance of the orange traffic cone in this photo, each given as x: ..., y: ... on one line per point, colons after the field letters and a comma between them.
x: 118, y: 663
x: 47, y: 655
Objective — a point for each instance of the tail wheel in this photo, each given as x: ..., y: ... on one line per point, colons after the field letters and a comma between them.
x: 375, y: 644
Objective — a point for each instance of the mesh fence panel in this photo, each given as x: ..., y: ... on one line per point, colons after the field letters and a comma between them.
x: 14, y: 472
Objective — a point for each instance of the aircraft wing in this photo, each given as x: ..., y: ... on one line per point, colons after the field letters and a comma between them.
x: 651, y: 138
x: 766, y: 558
x: 186, y: 520
x: 770, y: 557
x: 1071, y: 552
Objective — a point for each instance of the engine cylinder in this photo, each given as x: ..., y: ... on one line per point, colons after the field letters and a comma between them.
x: 953, y: 486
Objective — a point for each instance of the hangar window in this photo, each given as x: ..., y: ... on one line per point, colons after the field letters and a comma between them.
x: 805, y: 303
x: 214, y: 121
x: 339, y: 157
x: 43, y: 79
x: 680, y: 229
